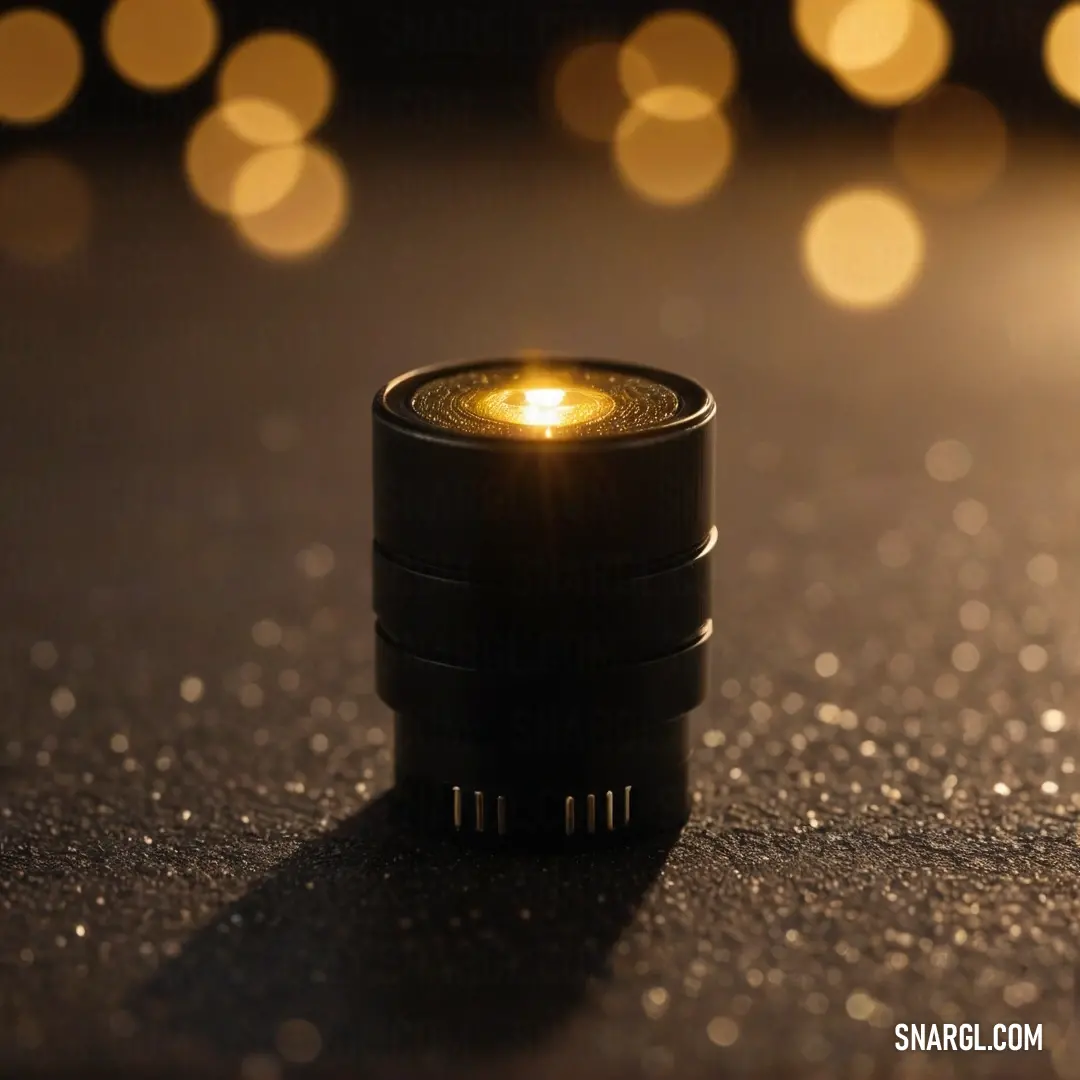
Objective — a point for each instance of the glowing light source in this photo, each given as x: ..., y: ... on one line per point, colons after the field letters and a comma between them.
x: 281, y: 68
x: 679, y: 48
x: 544, y: 399
x: 1061, y: 51
x: 587, y: 95
x: 863, y: 248
x: 544, y: 407
x: 672, y: 162
x: 161, y: 45
x: 920, y: 61
x: 311, y: 214
x: 41, y: 65
x: 866, y: 33
x: 45, y: 209
x: 952, y: 144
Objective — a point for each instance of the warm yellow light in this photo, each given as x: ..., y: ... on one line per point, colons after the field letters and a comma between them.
x: 45, y: 209
x: 1061, y: 51
x: 863, y: 248
x: 679, y: 48
x: 266, y: 179
x: 41, y: 65
x: 313, y: 211
x: 587, y: 95
x: 213, y: 156
x: 281, y: 68
x: 812, y: 21
x: 952, y: 144
x: 161, y: 44
x: 921, y: 61
x: 672, y: 162
x: 676, y: 103
x: 543, y: 406
x: 866, y: 33
x: 547, y: 399
x: 261, y: 122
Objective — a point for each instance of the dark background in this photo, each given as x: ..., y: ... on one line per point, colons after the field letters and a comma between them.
x: 484, y: 59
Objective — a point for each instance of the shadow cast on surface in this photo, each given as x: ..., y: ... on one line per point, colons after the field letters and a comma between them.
x: 400, y: 949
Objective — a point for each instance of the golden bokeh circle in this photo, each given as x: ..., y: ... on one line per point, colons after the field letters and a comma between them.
x: 161, y: 45
x: 281, y: 68
x: 213, y: 156
x: 867, y: 33
x: 672, y: 162
x: 952, y: 144
x: 46, y: 209
x: 261, y: 122
x: 863, y: 248
x: 310, y: 216
x: 266, y: 179
x: 41, y: 65
x: 679, y: 48
x: 812, y: 21
x: 586, y: 91
x: 921, y: 61
x: 1061, y: 51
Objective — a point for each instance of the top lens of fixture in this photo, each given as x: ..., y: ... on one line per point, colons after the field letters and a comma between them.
x: 548, y: 400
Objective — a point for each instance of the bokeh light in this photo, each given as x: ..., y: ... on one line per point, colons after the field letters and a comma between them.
x: 160, y: 45
x: 46, y: 209
x: 215, y: 158
x: 41, y: 65
x: 310, y: 216
x: 812, y: 21
x: 265, y: 179
x: 679, y: 48
x: 1061, y: 51
x: 261, y: 122
x: 587, y: 94
x: 672, y: 162
x: 952, y: 144
x: 921, y: 60
x: 280, y: 68
x: 863, y: 248
x: 866, y: 33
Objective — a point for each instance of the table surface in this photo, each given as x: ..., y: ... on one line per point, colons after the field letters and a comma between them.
x: 198, y: 874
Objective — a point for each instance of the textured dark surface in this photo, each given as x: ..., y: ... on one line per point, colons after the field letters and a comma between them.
x: 196, y: 875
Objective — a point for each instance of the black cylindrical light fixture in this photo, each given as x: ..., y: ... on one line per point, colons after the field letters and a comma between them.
x: 543, y: 533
